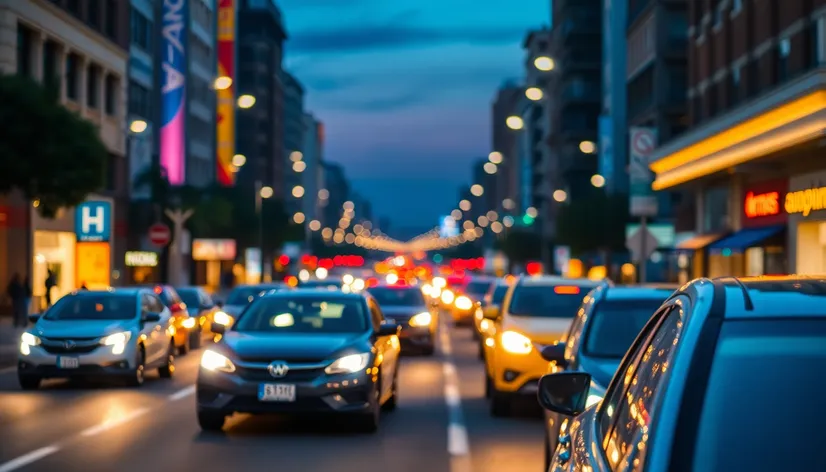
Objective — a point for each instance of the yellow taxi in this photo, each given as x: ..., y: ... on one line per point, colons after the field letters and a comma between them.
x: 537, y: 311
x: 489, y: 311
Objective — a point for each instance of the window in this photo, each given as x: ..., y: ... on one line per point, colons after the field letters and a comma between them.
x: 753, y: 78
x: 74, y: 7
x: 93, y: 306
x: 111, y: 23
x: 141, y: 30
x: 72, y: 72
x: 390, y: 296
x: 628, y: 409
x: 24, y: 50
x: 615, y: 324
x: 93, y: 13
x: 93, y: 86
x: 111, y: 95
x: 140, y: 100
x: 376, y: 315
x: 734, y: 86
x: 561, y: 301
x: 784, y: 48
x: 736, y: 6
x: 50, y: 63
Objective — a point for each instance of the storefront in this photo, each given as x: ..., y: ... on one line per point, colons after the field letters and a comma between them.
x: 759, y: 246
x: 142, y: 266
x: 805, y: 204
x: 214, y: 260
x: 712, y: 220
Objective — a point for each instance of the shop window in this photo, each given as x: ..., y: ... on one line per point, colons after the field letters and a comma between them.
x: 93, y: 86
x: 72, y: 71
x: 111, y: 95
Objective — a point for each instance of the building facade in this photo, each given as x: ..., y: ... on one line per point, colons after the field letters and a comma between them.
x: 505, y: 104
x: 83, y: 45
x: 143, y: 97
x: 338, y: 190
x: 200, y: 93
x: 753, y: 156
x: 294, y: 129
x: 260, y: 129
x: 613, y: 128
x: 313, y: 175
x: 536, y: 175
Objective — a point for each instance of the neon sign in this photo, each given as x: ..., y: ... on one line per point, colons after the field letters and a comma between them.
x: 806, y: 201
x: 173, y: 89
x: 764, y: 204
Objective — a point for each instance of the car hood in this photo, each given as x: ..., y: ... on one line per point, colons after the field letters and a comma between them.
x: 601, y: 370
x: 80, y: 328
x: 540, y: 329
x: 285, y: 346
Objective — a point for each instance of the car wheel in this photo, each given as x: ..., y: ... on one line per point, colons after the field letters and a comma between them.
x: 195, y: 339
x: 369, y: 422
x: 29, y: 382
x: 136, y: 379
x: 211, y: 420
x: 168, y: 368
x: 500, y: 404
x: 391, y: 402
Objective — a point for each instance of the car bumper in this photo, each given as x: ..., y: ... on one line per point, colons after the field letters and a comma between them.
x: 416, y: 338
x: 99, y: 363
x: 518, y: 374
x: 463, y: 317
x: 230, y: 393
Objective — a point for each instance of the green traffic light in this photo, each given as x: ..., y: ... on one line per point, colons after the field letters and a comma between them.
x: 527, y: 220
x: 437, y: 258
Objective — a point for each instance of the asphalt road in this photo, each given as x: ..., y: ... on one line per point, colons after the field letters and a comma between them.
x: 442, y: 424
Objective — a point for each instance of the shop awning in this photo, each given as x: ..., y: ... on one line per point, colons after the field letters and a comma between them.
x: 746, y: 238
x: 698, y: 242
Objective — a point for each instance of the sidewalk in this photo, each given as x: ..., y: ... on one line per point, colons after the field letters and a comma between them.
x: 9, y: 340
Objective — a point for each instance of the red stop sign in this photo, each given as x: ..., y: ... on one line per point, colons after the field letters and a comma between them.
x: 159, y: 234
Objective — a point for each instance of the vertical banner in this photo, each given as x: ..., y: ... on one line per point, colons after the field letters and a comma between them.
x: 173, y: 89
x: 642, y: 141
x: 226, y: 93
x: 606, y: 151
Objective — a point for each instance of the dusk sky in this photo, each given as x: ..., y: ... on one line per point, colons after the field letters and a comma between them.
x: 404, y: 88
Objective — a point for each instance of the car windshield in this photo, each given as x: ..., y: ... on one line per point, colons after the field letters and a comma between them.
x: 94, y: 306
x: 615, y: 324
x: 387, y: 296
x: 282, y: 314
x: 244, y: 295
x: 546, y: 301
x: 499, y: 294
x: 477, y: 288
x: 776, y: 367
x: 190, y: 296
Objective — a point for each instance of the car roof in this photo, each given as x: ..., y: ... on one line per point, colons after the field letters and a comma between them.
x: 553, y: 280
x: 264, y: 286
x: 774, y: 296
x: 114, y: 291
x: 395, y: 287
x: 312, y: 293
x: 638, y: 292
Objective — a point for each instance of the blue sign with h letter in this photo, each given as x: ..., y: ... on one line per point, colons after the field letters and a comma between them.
x: 93, y: 221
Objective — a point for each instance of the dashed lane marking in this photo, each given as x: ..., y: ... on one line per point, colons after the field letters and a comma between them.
x: 106, y: 426
x: 29, y: 458
x: 458, y: 445
x: 183, y: 393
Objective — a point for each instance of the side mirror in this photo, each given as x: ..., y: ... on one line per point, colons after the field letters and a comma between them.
x: 151, y: 318
x: 218, y: 328
x: 34, y: 317
x: 491, y: 312
x: 554, y: 353
x: 565, y: 393
x: 389, y: 328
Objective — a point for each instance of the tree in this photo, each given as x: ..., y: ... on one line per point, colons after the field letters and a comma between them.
x: 593, y: 223
x: 49, y: 153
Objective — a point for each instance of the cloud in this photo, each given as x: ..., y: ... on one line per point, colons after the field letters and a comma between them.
x: 395, y: 36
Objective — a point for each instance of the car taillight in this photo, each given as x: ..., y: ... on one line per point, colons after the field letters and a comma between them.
x: 176, y: 307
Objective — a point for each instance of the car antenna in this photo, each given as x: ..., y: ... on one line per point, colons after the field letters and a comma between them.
x: 746, y: 297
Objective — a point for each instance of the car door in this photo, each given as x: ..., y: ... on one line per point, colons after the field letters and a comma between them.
x: 387, y: 349
x: 153, y: 333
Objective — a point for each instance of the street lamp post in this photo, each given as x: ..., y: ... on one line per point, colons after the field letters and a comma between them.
x: 261, y: 193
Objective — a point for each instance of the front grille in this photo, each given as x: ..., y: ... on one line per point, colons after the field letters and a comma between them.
x: 60, y: 340
x: 268, y: 359
x: 60, y: 349
x: 262, y: 375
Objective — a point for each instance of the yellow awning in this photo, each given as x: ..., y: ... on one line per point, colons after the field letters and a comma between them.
x: 699, y: 241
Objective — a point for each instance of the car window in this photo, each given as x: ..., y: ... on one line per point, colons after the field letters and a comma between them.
x: 546, y: 301
x: 614, y: 326
x: 758, y: 366
x: 477, y: 288
x: 191, y: 297
x: 206, y: 299
x: 309, y: 315
x: 146, y: 303
x: 156, y: 304
x: 94, y: 306
x: 244, y: 295
x: 389, y: 296
x: 499, y: 294
x: 574, y: 334
x: 173, y: 295
x: 634, y: 410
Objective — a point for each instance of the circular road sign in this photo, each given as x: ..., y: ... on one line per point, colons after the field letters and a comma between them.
x: 159, y: 234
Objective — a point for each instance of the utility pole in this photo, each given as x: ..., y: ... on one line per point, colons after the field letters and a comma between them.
x: 259, y: 204
x: 178, y: 217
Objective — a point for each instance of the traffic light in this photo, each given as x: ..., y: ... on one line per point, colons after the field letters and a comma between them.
x: 437, y: 258
x: 527, y: 219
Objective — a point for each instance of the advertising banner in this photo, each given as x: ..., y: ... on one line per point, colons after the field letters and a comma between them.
x: 225, y: 118
x: 94, y: 265
x: 173, y: 89
x: 642, y: 141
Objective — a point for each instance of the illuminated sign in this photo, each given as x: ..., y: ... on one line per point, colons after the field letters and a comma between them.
x: 225, y: 108
x: 173, y: 89
x: 213, y: 249
x: 806, y: 201
x: 764, y: 204
x: 141, y: 259
x: 93, y: 266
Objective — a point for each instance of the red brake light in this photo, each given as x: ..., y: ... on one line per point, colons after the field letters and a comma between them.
x: 158, y: 290
x: 175, y: 307
x: 566, y: 290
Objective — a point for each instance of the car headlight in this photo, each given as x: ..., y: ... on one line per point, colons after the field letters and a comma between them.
x: 592, y: 400
x: 27, y: 340
x: 117, y: 341
x: 463, y: 303
x: 516, y: 343
x: 422, y: 319
x: 214, y: 361
x: 348, y: 364
x: 189, y: 323
x: 447, y: 297
x: 221, y: 318
x: 479, y: 314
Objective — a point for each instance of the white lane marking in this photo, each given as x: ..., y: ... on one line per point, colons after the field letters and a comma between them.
x: 8, y: 370
x: 444, y: 338
x: 452, y: 396
x: 29, y: 458
x: 457, y: 441
x: 183, y: 393
x: 106, y: 426
x: 458, y: 444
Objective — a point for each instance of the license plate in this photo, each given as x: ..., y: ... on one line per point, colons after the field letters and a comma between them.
x: 276, y: 393
x: 68, y: 362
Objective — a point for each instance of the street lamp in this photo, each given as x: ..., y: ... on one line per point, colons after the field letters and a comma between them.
x: 298, y: 191
x: 239, y: 160
x: 587, y: 147
x: 222, y: 83
x: 560, y: 196
x: 464, y: 205
x: 489, y: 168
x: 477, y: 190
x: 261, y: 193
x: 495, y: 157
x: 296, y: 156
x: 597, y: 180
x: 299, y: 218
x: 534, y: 93
x: 544, y: 63
x: 299, y: 166
x: 246, y: 101
x: 515, y: 122
x: 138, y: 126
x: 323, y: 194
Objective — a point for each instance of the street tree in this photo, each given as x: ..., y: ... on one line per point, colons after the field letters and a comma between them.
x: 48, y: 152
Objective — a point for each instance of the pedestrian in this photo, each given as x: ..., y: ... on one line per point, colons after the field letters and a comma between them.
x: 51, y: 282
x: 17, y: 292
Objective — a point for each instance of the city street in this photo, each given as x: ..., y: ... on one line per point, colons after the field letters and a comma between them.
x: 79, y: 427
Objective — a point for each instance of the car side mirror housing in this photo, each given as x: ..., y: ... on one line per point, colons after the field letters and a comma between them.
x: 565, y: 393
x: 151, y: 318
x: 389, y: 328
x: 554, y: 353
x: 491, y: 312
x: 34, y: 317
x: 218, y: 328
x: 219, y: 303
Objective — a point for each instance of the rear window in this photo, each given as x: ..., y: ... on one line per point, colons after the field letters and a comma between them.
x: 499, y: 294
x: 774, y: 370
x: 478, y: 289
x: 387, y: 296
x: 93, y: 306
x: 615, y: 324
x: 546, y: 301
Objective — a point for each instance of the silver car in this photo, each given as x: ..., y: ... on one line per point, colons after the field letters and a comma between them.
x: 116, y: 333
